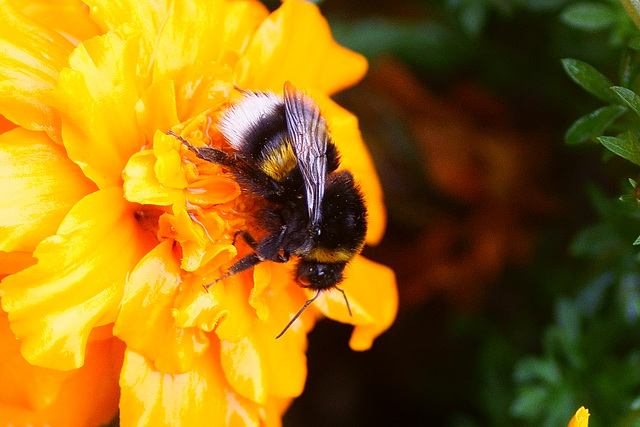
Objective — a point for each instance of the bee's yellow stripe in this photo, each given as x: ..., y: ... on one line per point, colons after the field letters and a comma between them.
x: 332, y: 255
x: 279, y: 161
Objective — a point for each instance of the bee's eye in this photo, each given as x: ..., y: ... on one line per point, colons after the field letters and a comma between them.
x: 319, y: 275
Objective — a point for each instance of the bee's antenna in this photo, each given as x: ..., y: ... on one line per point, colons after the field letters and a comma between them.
x: 306, y: 304
x: 242, y: 91
x: 345, y: 300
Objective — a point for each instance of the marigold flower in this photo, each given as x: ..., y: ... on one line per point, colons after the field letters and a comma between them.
x: 580, y: 419
x: 109, y: 228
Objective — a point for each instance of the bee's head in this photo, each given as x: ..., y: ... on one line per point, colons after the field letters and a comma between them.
x: 319, y: 275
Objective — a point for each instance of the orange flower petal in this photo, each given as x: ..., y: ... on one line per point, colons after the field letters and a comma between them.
x: 97, y: 98
x: 285, y: 365
x: 276, y: 297
x: 259, y: 366
x: 201, y: 396
x: 31, y: 58
x: 40, y: 184
x: 580, y: 419
x: 196, y: 308
x: 244, y: 367
x: 70, y: 18
x: 6, y: 124
x: 145, y: 322
x: 256, y: 364
x: 295, y: 43
x: 213, y: 190
x: 12, y: 262
x: 31, y: 395
x: 373, y: 297
x: 78, y: 281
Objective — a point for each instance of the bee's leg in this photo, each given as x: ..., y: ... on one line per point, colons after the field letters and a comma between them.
x: 267, y: 249
x: 270, y: 248
x: 241, y: 265
x: 282, y: 257
x: 209, y: 154
x: 247, y: 238
x: 259, y: 181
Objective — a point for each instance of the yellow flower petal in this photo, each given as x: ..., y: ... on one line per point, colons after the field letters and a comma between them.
x: 141, y: 184
x: 78, y: 281
x: 156, y: 110
x: 145, y: 322
x: 233, y: 298
x: 40, y: 184
x: 97, y: 98
x: 168, y: 167
x: 373, y: 297
x: 31, y: 395
x: 203, y: 86
x: 295, y: 43
x: 179, y: 35
x: 70, y: 18
x: 31, y: 58
x: 580, y: 419
x: 198, y: 246
x: 201, y: 396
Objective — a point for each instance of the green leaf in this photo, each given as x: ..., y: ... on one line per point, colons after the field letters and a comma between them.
x: 568, y: 318
x: 593, y: 241
x: 629, y: 97
x: 637, y: 241
x: 535, y: 369
x: 594, y: 124
x: 629, y: 67
x: 473, y: 17
x: 635, y: 405
x: 590, y: 79
x: 625, y: 146
x: 588, y: 16
x: 531, y: 402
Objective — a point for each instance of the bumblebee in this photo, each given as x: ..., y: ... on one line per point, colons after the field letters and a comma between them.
x: 283, y: 152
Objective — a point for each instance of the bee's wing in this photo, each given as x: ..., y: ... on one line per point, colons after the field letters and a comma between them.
x: 308, y: 132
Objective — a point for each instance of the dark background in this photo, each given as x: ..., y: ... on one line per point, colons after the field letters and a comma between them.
x: 464, y: 109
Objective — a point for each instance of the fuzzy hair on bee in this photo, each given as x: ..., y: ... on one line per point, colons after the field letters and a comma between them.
x: 283, y: 152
